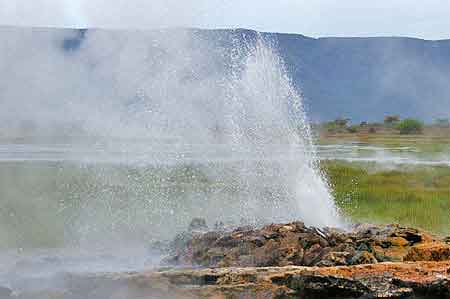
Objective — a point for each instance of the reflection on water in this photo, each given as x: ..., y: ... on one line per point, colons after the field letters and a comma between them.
x: 170, y: 152
x: 45, y: 269
x: 363, y: 152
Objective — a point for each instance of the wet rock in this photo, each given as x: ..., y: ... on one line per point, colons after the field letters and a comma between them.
x: 390, y: 243
x: 429, y: 252
x: 298, y: 245
x: 391, y: 280
x: 266, y: 256
x: 44, y: 294
x: 397, y: 241
x: 363, y: 257
x: 335, y: 259
x: 312, y: 255
x: 286, y: 261
x: 389, y: 254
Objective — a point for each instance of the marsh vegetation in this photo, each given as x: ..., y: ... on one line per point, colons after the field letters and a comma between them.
x: 407, y: 194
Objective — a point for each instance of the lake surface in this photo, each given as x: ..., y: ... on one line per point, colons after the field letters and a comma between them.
x: 169, y: 152
x: 364, y: 152
x: 99, y: 206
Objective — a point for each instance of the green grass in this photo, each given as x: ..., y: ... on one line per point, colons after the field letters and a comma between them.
x: 410, y: 195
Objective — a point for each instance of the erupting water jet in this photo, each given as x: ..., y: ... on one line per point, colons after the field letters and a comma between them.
x: 147, y: 130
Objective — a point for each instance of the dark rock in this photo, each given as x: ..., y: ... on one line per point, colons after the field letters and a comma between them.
x: 334, y: 259
x: 312, y: 255
x: 392, y: 280
x: 363, y: 257
x: 294, y: 244
x: 314, y: 286
x: 270, y: 263
x: 429, y: 252
x: 308, y: 240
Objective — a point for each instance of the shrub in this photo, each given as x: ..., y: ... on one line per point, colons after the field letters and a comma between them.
x: 410, y: 126
x: 342, y: 122
x: 391, y: 120
x: 353, y: 129
x: 443, y: 122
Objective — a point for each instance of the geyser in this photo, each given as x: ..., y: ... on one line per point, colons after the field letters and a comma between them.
x: 209, y: 121
x: 129, y: 135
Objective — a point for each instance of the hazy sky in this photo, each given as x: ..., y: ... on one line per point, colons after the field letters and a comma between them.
x: 428, y: 19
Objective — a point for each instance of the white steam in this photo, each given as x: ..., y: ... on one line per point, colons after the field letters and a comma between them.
x: 224, y: 103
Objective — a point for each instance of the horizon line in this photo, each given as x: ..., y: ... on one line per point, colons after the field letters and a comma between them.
x: 111, y: 28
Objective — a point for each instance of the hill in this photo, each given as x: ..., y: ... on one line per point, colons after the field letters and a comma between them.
x: 358, y: 78
x: 367, y: 78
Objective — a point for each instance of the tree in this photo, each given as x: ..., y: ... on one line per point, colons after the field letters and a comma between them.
x: 391, y: 120
x: 410, y: 126
x: 342, y: 122
x: 353, y: 129
x: 443, y: 122
x: 337, y: 125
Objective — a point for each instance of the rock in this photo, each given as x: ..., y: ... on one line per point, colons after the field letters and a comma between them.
x: 334, y: 259
x: 312, y: 255
x: 390, y: 243
x: 397, y: 241
x: 363, y: 257
x: 429, y: 252
x: 389, y: 280
x: 283, y: 261
x: 389, y: 254
x: 295, y: 244
x: 308, y: 240
x: 44, y: 294
x: 266, y: 256
x: 383, y: 280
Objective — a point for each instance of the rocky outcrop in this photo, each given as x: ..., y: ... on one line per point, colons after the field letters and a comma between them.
x: 279, y: 261
x: 382, y: 280
x: 429, y: 252
x: 294, y: 244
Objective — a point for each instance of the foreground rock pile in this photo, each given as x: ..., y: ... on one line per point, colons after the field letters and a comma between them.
x: 425, y: 280
x: 278, y: 261
x: 294, y: 244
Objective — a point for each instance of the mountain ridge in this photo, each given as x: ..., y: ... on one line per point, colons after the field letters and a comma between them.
x: 361, y: 78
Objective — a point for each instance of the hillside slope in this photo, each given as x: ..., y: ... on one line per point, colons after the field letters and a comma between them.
x: 358, y: 78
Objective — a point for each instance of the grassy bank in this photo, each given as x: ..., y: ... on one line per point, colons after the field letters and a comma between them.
x: 411, y: 195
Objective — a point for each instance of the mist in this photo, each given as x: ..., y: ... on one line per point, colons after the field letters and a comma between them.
x: 120, y: 128
x: 192, y: 124
x: 90, y: 81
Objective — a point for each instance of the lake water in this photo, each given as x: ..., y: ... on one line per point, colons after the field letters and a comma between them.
x: 99, y: 206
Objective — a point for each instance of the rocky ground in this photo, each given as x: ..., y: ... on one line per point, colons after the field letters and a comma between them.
x: 294, y: 244
x: 281, y: 261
